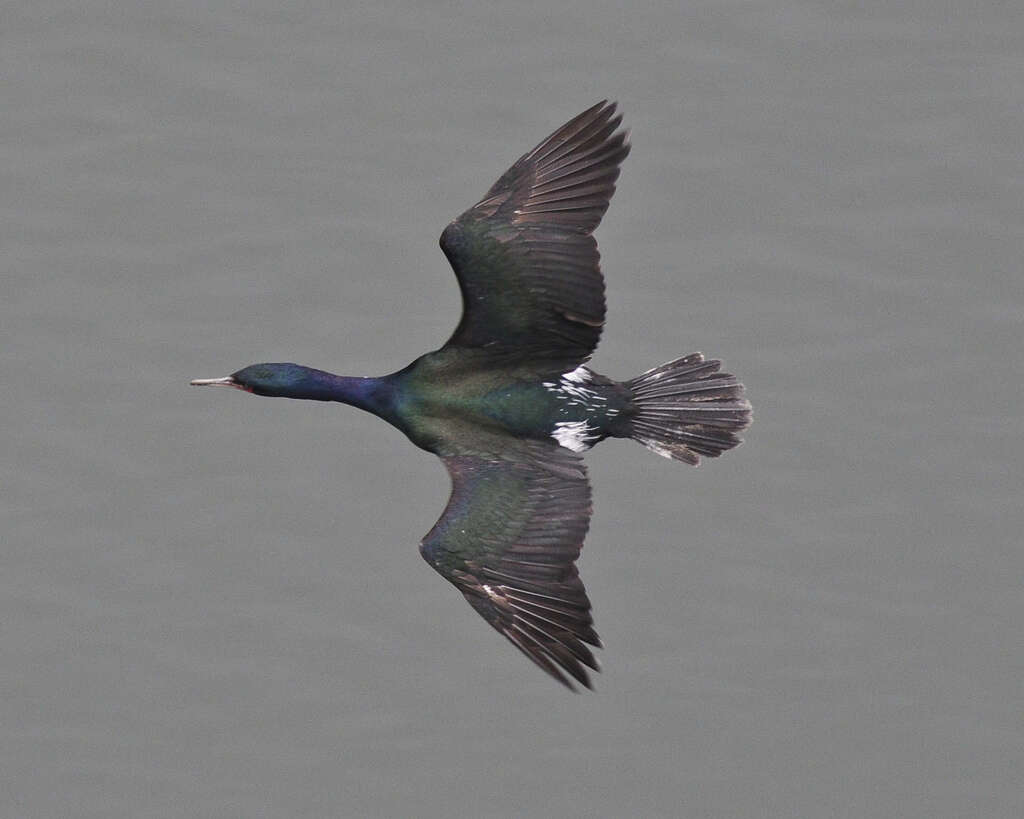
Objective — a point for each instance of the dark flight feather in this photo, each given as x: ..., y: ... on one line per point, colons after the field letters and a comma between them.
x: 509, y: 539
x: 527, y: 265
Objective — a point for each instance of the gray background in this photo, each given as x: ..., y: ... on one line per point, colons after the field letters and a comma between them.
x: 212, y: 605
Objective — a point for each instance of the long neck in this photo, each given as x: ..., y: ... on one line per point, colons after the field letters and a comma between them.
x: 370, y: 394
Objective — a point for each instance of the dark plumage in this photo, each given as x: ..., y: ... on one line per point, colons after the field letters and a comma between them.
x: 508, y: 404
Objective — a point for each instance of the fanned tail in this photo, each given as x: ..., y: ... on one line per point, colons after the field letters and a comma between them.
x: 687, y: 408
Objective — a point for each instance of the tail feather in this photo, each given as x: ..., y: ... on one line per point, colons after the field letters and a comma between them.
x: 687, y: 408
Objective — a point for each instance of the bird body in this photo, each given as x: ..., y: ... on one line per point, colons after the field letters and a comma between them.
x: 505, y: 402
x: 440, y: 392
x: 508, y: 404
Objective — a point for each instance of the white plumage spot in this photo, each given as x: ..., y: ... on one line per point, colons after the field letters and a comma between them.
x: 574, y: 435
x: 571, y: 385
x: 581, y: 375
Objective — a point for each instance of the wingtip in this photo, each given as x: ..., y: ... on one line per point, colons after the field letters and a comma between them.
x: 577, y: 683
x: 605, y: 111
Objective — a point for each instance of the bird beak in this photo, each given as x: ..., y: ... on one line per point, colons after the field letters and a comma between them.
x: 214, y: 382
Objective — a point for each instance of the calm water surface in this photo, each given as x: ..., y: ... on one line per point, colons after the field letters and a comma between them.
x: 212, y: 605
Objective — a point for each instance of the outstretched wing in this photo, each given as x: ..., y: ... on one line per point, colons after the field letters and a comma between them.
x: 528, y: 268
x: 508, y: 540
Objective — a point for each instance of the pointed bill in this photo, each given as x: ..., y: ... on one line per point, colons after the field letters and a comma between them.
x: 227, y: 381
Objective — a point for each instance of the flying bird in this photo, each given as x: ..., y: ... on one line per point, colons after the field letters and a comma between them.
x: 509, y: 403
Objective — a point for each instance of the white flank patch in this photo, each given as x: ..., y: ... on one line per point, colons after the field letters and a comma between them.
x: 571, y: 385
x: 574, y: 435
x: 581, y: 375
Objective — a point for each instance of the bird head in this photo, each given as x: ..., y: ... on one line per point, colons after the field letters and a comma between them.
x: 261, y: 379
